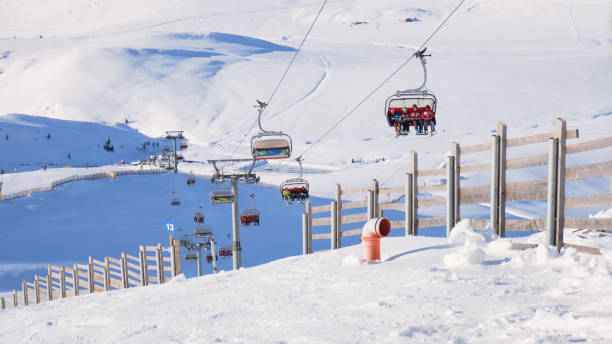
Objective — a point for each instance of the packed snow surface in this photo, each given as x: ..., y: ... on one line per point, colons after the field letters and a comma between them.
x: 70, y: 71
x: 426, y: 290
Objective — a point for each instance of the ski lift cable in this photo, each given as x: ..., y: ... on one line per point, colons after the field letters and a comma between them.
x: 283, y: 76
x: 397, y: 70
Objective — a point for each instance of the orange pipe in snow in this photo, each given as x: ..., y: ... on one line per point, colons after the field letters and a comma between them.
x: 372, y: 231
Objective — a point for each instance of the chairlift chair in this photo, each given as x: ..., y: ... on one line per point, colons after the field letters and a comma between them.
x: 183, y: 145
x: 222, y: 195
x: 191, y: 257
x: 174, y: 200
x: 295, y: 189
x: 198, y: 217
x: 269, y: 144
x: 225, y: 251
x: 399, y: 106
x: 250, y: 216
x: 191, y: 181
x: 202, y: 232
x: 209, y: 258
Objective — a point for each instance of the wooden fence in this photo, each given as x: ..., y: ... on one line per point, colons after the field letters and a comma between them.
x: 152, y: 265
x: 98, y: 175
x: 450, y: 194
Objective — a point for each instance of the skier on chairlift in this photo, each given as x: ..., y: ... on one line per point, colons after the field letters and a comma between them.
x: 429, y: 120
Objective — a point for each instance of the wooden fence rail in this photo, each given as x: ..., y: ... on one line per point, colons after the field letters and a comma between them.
x: 100, y: 275
x: 98, y: 175
x: 452, y: 195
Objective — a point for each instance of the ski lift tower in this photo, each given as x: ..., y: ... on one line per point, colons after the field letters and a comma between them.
x: 248, y: 177
x: 174, y: 135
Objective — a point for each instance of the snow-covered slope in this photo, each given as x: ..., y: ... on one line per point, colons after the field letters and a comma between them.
x: 426, y: 291
x: 199, y: 66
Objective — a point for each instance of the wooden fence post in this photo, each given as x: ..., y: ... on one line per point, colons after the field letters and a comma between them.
x: 49, y: 283
x: 24, y: 287
x: 309, y: 212
x: 502, y: 132
x: 304, y: 233
x: 107, y: 286
x: 561, y: 134
x: 3, y: 303
x: 408, y: 206
x: 75, y: 284
x: 334, y: 225
x: 455, y: 152
x: 63, y: 282
x: 450, y: 194
x: 375, y: 199
x: 338, y: 198
x: 143, y: 266
x: 551, y: 211
x: 177, y: 255
x: 90, y: 276
x: 494, y: 217
x: 15, y: 302
x: 415, y: 191
x: 159, y: 257
x: 172, y: 257
x: 37, y: 288
x: 124, y: 269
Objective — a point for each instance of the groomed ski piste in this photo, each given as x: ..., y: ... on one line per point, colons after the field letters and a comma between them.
x: 72, y: 73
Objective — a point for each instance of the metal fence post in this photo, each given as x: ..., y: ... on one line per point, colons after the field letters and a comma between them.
x: 494, y: 219
x: 213, y: 251
x: 551, y: 203
x: 408, y: 205
x: 450, y: 194
x: 370, y: 204
x: 334, y: 225
x: 375, y: 198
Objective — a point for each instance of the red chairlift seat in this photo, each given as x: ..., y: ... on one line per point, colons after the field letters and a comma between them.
x: 296, y: 189
x: 198, y: 217
x: 248, y: 217
x: 225, y: 252
x: 191, y: 181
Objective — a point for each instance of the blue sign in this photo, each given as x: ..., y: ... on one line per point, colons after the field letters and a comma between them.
x: 169, y: 225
